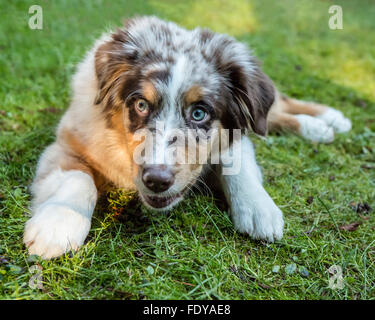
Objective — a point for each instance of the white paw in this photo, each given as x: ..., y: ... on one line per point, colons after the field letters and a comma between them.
x: 55, y: 229
x: 315, y: 129
x: 262, y: 220
x: 336, y: 120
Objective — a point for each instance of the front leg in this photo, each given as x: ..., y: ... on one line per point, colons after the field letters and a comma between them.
x: 63, y: 204
x: 252, y: 209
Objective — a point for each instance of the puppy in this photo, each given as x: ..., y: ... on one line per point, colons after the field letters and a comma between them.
x: 151, y: 72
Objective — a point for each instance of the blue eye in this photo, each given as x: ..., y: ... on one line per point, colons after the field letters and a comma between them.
x: 198, y: 114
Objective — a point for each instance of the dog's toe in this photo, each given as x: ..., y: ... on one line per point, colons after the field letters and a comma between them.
x: 260, y: 222
x: 54, y: 230
x: 335, y: 119
x: 315, y: 129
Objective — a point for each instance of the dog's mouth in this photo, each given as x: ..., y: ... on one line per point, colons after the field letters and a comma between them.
x: 162, y: 202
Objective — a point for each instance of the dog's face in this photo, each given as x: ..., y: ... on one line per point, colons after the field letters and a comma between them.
x: 153, y: 73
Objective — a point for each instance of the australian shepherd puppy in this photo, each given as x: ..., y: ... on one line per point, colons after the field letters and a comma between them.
x: 151, y: 72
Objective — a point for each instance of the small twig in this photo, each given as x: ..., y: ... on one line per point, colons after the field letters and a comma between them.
x: 185, y: 283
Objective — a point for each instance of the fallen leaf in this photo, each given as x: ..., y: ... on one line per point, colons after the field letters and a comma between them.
x: 150, y: 270
x: 363, y: 217
x: 360, y: 207
x: 363, y: 208
x: 351, y: 226
x: 303, y: 272
x: 310, y: 200
x: 290, y: 268
x: 367, y: 166
x: 138, y: 253
x: 276, y: 269
x: 263, y: 286
x: 159, y: 253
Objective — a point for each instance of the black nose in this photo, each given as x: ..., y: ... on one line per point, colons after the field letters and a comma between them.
x: 158, y: 178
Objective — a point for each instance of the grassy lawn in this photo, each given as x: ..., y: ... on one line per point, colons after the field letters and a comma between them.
x: 193, y: 252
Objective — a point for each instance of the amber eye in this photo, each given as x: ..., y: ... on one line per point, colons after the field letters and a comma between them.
x: 142, y: 107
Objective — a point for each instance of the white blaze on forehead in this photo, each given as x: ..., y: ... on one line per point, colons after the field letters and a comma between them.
x: 170, y: 117
x: 178, y: 74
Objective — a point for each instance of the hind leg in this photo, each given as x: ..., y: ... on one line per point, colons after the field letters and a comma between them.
x: 313, y: 121
x: 332, y: 117
x: 307, y: 126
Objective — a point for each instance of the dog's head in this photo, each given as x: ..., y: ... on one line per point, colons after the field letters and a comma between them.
x: 153, y: 72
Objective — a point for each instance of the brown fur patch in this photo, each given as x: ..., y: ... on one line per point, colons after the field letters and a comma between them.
x: 80, y: 159
x: 194, y: 94
x: 109, y: 71
x: 280, y: 117
x: 279, y: 121
x: 131, y: 143
x: 149, y: 92
x: 294, y: 106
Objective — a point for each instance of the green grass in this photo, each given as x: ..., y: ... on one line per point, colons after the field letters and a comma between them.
x: 194, y: 252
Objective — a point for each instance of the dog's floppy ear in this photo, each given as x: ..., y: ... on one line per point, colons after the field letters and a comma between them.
x: 102, y: 70
x: 251, y: 92
x: 112, y: 61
